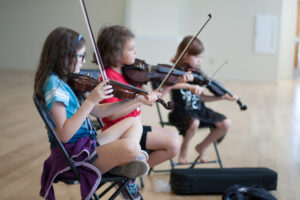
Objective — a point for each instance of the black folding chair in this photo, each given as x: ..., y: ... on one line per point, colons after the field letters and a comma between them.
x: 195, y: 162
x: 112, y: 180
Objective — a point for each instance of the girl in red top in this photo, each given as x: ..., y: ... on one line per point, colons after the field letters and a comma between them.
x: 117, y: 48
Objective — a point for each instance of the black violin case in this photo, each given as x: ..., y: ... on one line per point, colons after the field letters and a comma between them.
x: 217, y: 180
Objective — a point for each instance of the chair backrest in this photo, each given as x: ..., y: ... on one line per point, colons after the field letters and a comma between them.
x: 50, y: 125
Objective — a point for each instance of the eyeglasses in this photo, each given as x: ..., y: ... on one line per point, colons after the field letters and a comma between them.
x: 82, y: 56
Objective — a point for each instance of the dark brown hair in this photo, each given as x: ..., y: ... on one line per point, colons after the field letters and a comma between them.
x: 58, y: 56
x: 111, y: 41
x: 194, y: 49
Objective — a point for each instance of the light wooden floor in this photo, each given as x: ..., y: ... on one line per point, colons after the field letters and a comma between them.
x: 267, y: 135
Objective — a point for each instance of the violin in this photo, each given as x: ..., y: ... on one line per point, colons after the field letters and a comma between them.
x: 83, y: 83
x: 120, y: 90
x: 216, y: 87
x: 140, y: 73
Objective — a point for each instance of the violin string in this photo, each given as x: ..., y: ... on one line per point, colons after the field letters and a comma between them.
x: 183, y: 52
x: 96, y: 50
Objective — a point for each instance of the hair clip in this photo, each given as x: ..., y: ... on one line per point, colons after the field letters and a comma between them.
x: 79, y: 37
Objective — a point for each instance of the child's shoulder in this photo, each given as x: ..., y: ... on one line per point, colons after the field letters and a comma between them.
x: 52, y: 81
x: 56, y: 89
x: 113, y: 74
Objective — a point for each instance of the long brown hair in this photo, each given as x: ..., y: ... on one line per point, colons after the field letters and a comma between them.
x: 111, y: 41
x: 58, y: 56
x: 194, y: 49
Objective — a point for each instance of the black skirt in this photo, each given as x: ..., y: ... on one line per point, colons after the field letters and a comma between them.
x: 182, y: 119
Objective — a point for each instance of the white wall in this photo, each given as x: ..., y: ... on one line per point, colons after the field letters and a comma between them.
x: 228, y: 36
x: 155, y: 24
x: 25, y: 25
x: 287, y: 39
x: 159, y: 26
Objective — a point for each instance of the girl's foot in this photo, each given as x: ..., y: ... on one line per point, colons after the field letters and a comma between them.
x: 182, y: 158
x: 201, y: 151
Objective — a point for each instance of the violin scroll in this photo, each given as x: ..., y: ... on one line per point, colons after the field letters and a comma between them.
x: 169, y: 105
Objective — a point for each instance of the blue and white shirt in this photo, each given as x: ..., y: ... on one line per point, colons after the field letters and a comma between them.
x: 54, y: 90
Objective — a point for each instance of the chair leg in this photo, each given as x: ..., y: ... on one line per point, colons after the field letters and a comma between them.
x: 194, y: 163
x: 96, y: 196
x: 117, y: 192
x: 172, y: 164
x: 218, y: 155
x: 107, y: 189
x: 142, y: 182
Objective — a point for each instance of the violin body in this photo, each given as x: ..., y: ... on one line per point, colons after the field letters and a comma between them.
x: 84, y: 83
x: 140, y: 73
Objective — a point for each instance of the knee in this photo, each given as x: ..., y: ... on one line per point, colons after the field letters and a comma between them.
x: 174, y: 134
x: 130, y: 148
x: 174, y: 146
x: 226, y: 124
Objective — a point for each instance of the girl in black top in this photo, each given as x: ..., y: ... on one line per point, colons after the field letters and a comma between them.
x: 190, y: 111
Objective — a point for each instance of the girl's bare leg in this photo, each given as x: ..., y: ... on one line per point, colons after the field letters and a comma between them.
x: 164, y: 143
x: 115, y: 153
x: 186, y: 140
x: 119, y: 144
x: 127, y: 128
x: 220, y: 130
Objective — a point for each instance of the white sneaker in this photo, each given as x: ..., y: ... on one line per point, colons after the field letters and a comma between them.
x: 143, y: 156
x: 133, y: 169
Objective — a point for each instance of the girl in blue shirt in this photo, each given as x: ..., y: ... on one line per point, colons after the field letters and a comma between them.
x: 64, y: 53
